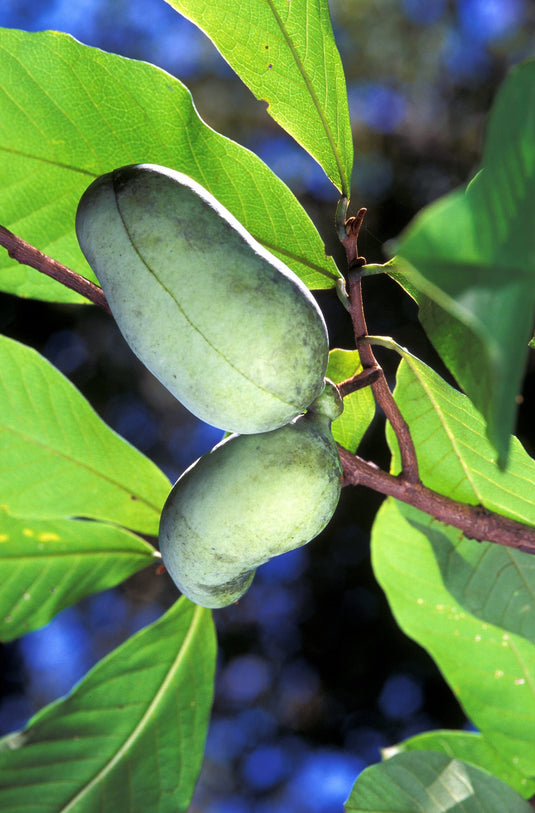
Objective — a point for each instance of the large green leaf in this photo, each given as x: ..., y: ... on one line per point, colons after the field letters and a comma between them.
x: 469, y: 747
x: 427, y: 782
x: 454, y: 456
x: 131, y: 734
x: 286, y: 54
x: 69, y: 113
x: 58, y: 459
x: 47, y: 565
x: 359, y: 406
x: 490, y: 669
x: 470, y: 604
x: 469, y: 261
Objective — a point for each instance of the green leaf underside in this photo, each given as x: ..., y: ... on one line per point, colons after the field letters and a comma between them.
x: 286, y: 54
x: 49, y: 565
x: 427, y: 782
x: 359, y: 407
x: 69, y: 113
x: 59, y: 460
x: 469, y: 261
x: 131, y: 734
x: 470, y: 605
x: 469, y: 747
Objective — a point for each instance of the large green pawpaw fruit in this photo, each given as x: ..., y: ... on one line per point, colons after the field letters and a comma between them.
x: 223, y: 324
x: 251, y: 498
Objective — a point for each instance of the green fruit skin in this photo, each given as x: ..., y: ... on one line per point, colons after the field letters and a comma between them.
x: 223, y: 324
x: 329, y: 402
x: 251, y: 498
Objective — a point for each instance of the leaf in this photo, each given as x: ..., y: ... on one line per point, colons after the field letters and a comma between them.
x: 69, y: 113
x: 58, y: 459
x: 130, y: 736
x: 495, y: 583
x: 454, y: 456
x: 489, y: 668
x: 49, y: 565
x: 427, y: 782
x: 469, y: 747
x: 469, y: 261
x: 469, y: 604
x: 359, y: 407
x: 286, y: 54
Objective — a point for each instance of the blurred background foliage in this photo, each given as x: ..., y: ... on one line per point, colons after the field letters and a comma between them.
x: 314, y: 676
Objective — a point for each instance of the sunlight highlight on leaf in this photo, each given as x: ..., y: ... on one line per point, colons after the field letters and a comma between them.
x: 469, y: 747
x: 427, y: 782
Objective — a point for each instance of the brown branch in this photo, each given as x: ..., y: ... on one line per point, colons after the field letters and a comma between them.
x: 358, y: 382
x: 26, y: 254
x: 380, y: 388
x: 475, y: 521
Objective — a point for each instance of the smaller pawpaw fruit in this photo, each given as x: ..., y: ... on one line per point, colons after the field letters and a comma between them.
x: 252, y: 497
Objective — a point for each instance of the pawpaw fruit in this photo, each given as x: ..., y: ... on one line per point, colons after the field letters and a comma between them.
x: 226, y: 327
x: 252, y: 497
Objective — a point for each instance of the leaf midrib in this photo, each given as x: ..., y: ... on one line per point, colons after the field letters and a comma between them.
x: 48, y: 161
x: 444, y: 425
x: 146, y: 718
x: 313, y: 96
x: 78, y: 555
x: 79, y: 463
